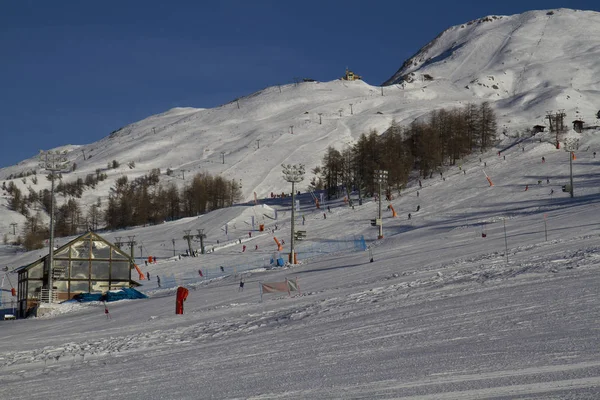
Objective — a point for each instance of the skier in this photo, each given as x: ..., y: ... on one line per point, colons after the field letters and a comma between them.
x: 594, y: 154
x: 547, y: 180
x: 148, y: 275
x: 243, y: 248
x: 200, y: 272
x: 543, y: 160
x: 303, y: 219
x: 420, y: 184
x: 256, y: 247
x: 106, y: 311
x: 417, y: 193
x: 418, y: 208
x: 158, y: 280
x: 241, y: 288
x: 409, y: 215
x: 328, y: 209
x: 526, y: 187
x: 249, y: 234
x: 551, y: 191
x: 324, y: 216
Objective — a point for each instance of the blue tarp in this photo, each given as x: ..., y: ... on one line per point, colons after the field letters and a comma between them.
x: 123, y: 294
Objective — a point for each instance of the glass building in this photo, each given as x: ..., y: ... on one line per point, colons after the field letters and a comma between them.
x: 87, y: 264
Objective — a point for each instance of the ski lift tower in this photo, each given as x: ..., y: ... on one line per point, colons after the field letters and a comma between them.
x: 53, y: 162
x: 293, y: 174
x: 571, y: 144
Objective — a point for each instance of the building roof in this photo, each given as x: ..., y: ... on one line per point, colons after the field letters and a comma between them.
x: 86, y: 236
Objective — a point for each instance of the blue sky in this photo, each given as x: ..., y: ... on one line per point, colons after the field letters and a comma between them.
x: 73, y: 71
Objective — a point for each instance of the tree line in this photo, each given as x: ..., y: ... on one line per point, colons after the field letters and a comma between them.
x: 145, y: 201
x: 425, y: 146
x: 139, y: 202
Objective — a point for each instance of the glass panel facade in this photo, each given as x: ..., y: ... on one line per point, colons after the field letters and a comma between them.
x: 61, y: 286
x: 118, y: 285
x: 118, y: 256
x: 99, y: 286
x: 80, y: 269
x: 64, y: 253
x: 100, y: 250
x: 36, y: 272
x: 120, y: 270
x: 61, y: 269
x: 34, y: 289
x: 78, y: 287
x: 81, y: 249
x: 84, y: 266
x: 100, y: 269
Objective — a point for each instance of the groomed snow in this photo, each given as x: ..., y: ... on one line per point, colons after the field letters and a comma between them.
x: 441, y: 313
x: 438, y: 314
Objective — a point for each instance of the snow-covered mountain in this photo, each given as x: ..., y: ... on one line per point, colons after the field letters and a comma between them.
x: 524, y: 65
x: 485, y: 292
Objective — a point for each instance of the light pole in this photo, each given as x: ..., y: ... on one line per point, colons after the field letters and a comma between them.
x: 571, y: 144
x: 293, y: 174
x: 52, y: 162
x: 201, y: 235
x: 380, y: 178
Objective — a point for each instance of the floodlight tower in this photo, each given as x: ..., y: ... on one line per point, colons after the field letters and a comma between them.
x: 293, y: 174
x: 52, y: 162
x: 380, y: 178
x: 571, y: 144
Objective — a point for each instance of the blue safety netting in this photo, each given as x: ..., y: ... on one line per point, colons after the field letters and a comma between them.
x: 113, y: 295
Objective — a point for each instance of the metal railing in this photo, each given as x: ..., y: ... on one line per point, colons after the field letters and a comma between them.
x: 45, y: 296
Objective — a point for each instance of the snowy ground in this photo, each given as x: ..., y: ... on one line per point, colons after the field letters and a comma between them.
x: 439, y: 314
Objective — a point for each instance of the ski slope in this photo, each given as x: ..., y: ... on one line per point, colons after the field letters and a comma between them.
x: 441, y: 312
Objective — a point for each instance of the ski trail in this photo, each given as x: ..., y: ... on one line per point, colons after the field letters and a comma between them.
x: 526, y: 65
x: 503, y: 45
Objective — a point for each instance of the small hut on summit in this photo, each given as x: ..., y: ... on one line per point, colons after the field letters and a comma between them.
x: 86, y: 264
